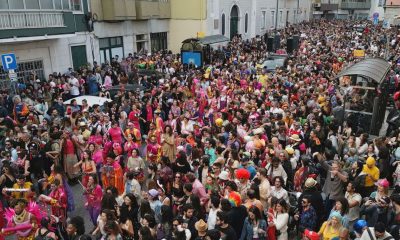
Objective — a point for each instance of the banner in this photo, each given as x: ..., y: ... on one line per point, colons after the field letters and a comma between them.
x: 359, y: 53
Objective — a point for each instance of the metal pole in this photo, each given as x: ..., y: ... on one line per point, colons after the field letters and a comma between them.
x: 297, y: 13
x: 276, y: 15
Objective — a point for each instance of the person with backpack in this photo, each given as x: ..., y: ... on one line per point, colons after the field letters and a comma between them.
x: 43, y: 233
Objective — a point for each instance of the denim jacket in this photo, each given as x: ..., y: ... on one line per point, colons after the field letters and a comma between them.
x: 247, y: 231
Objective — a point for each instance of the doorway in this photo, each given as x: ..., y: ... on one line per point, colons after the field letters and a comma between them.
x: 234, y: 21
x: 79, y: 57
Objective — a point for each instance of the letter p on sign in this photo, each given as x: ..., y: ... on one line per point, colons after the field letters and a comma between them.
x: 9, y: 61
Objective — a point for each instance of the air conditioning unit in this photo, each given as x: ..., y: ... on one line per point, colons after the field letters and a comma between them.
x: 317, y: 5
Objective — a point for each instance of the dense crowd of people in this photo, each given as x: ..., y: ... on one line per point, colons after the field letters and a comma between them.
x: 231, y: 150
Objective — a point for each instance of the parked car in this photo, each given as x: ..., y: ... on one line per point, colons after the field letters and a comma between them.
x: 274, y: 61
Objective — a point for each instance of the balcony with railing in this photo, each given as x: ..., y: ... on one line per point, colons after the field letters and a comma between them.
x: 118, y: 10
x: 147, y: 9
x: 328, y: 7
x: 355, y: 4
x: 31, y: 19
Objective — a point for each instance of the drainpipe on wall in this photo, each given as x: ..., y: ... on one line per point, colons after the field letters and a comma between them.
x: 276, y: 15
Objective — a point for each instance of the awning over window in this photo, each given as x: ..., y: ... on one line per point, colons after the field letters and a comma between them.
x: 373, y: 68
x: 213, y: 39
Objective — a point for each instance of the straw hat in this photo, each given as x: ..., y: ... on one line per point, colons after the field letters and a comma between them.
x: 201, y: 226
x: 310, y: 182
x: 295, y: 137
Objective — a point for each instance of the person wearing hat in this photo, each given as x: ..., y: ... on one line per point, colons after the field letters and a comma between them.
x: 378, y: 232
x: 376, y: 207
x: 259, y: 143
x: 155, y: 203
x: 238, y: 212
x: 85, y: 132
x: 317, y: 202
x: 21, y: 216
x: 134, y: 131
x: 359, y: 227
x: 201, y: 228
x: 372, y: 175
x: 331, y: 228
x: 242, y: 181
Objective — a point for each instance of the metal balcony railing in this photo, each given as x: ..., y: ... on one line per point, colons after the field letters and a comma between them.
x: 18, y: 20
x: 348, y: 4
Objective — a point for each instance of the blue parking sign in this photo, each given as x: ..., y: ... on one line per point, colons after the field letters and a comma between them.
x: 9, y: 61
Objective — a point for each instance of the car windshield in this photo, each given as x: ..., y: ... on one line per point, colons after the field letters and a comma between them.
x: 274, y: 63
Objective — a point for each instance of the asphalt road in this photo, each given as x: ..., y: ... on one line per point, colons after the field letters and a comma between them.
x: 80, y: 209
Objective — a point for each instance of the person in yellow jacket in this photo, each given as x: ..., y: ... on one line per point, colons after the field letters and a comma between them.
x: 331, y: 228
x: 372, y: 175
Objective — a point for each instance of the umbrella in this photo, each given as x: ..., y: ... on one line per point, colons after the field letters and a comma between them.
x: 91, y: 100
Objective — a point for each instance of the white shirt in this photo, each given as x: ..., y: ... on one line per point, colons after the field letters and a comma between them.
x: 74, y: 86
x: 212, y: 218
x: 365, y: 235
x: 354, y: 212
x: 280, y: 194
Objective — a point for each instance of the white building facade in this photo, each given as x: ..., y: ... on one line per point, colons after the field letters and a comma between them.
x: 253, y: 17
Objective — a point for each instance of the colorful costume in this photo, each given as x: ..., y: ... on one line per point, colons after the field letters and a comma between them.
x: 58, y: 203
x: 21, y: 112
x: 24, y: 224
x: 112, y: 175
x: 22, y: 191
x: 159, y: 124
x: 153, y: 152
x: 94, y: 195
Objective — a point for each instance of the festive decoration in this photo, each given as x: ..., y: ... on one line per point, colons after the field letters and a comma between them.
x: 219, y: 122
x: 235, y: 199
x: 242, y: 174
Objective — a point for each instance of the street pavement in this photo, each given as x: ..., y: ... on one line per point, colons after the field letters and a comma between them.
x: 80, y: 209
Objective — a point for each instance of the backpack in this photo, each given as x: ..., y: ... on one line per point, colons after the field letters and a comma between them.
x: 43, y: 236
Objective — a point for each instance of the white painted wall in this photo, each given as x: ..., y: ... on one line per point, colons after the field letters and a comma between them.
x: 128, y: 31
x: 55, y: 53
x: 215, y: 9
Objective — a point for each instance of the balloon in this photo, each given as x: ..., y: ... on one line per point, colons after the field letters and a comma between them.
x: 219, y: 122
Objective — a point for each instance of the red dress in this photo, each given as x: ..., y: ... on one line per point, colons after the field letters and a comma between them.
x: 59, y: 204
x: 116, y: 135
x: 134, y: 118
x: 153, y: 152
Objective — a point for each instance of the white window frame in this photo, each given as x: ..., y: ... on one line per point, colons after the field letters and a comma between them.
x: 246, y: 24
x: 273, y: 18
x: 40, y: 7
x: 264, y: 19
x: 71, y: 6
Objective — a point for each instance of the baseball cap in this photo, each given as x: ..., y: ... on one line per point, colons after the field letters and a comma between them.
x: 153, y: 192
x: 311, y: 235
